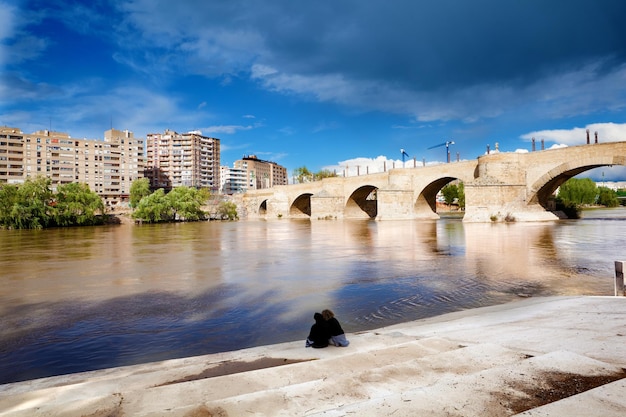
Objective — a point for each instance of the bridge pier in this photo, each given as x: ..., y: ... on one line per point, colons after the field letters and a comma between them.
x: 326, y: 207
x: 401, y: 205
x: 501, y: 202
x: 395, y: 204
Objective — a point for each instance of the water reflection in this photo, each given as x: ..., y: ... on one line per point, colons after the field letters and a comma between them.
x: 87, y: 298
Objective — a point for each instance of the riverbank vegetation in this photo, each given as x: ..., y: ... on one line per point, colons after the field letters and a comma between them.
x: 33, y: 205
x: 577, y: 193
x: 180, y: 204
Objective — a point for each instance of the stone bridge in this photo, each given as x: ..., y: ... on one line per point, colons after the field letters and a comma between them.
x: 498, y: 186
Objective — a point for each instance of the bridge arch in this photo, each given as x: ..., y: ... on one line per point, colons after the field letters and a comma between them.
x: 544, y: 187
x: 427, y: 200
x: 362, y: 203
x: 301, y: 206
x: 263, y: 208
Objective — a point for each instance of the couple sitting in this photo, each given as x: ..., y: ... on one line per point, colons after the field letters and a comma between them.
x: 325, y: 331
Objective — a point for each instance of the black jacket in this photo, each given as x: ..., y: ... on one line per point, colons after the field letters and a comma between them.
x: 320, y: 332
x: 334, y: 327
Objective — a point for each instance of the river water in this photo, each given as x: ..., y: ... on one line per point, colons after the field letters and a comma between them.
x: 78, y: 299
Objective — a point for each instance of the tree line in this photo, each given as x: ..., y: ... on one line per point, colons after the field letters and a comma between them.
x: 577, y: 193
x: 585, y: 192
x: 33, y: 205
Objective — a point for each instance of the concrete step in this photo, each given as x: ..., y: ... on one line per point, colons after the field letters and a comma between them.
x: 499, y: 391
x: 158, y: 382
x: 299, y: 378
x: 325, y: 385
x: 608, y: 398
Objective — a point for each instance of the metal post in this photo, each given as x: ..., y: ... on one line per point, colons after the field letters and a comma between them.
x: 619, y: 278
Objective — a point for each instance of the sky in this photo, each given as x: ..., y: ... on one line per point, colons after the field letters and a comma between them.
x: 326, y: 84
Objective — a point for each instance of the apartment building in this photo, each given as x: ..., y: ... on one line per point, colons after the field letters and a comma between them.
x: 261, y: 174
x: 183, y: 159
x: 107, y: 166
x: 234, y: 180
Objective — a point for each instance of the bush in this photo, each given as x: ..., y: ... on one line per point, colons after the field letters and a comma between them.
x: 227, y: 211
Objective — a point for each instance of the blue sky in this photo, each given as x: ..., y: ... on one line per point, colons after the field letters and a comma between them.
x: 326, y: 84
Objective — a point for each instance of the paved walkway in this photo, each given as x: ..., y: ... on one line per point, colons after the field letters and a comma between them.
x: 557, y: 356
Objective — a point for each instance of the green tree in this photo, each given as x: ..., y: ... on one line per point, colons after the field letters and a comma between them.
x: 324, y: 173
x: 227, y: 210
x: 450, y: 193
x: 302, y: 174
x: 76, y: 204
x: 578, y: 191
x: 186, y: 202
x: 27, y: 206
x: 138, y: 190
x: 9, y: 196
x: 154, y: 208
x: 607, y: 197
x: 461, y: 195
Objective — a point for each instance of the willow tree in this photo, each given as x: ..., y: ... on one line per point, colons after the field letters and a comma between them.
x: 186, y: 203
x: 76, y: 205
x: 578, y: 191
x: 138, y: 190
x: 28, y: 205
x: 154, y: 208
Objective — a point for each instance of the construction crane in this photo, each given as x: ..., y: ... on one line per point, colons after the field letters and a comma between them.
x: 403, y: 152
x: 447, y: 145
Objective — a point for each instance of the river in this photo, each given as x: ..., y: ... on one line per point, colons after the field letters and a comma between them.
x: 77, y: 299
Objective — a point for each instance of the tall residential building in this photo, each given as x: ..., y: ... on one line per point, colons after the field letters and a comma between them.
x: 183, y: 159
x: 262, y: 174
x: 107, y: 166
x: 233, y: 180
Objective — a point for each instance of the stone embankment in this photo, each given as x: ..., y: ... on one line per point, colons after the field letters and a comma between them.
x: 557, y: 356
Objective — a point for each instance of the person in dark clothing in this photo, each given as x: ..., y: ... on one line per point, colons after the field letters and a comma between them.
x: 320, y: 333
x: 337, y: 335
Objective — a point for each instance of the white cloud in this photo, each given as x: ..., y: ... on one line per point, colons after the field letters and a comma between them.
x: 607, y: 132
x: 363, y: 165
x: 7, y: 17
x: 227, y: 129
x: 324, y: 126
x: 17, y: 46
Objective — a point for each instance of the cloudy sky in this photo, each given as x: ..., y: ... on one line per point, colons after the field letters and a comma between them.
x: 324, y: 84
